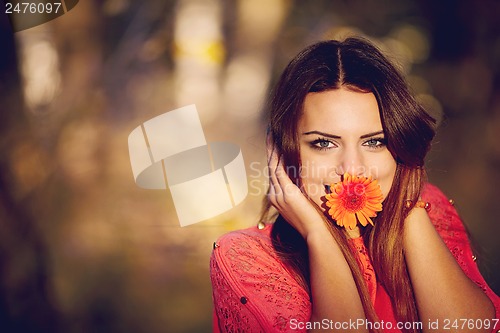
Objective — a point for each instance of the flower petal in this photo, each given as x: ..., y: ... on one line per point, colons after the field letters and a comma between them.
x: 350, y: 221
x: 362, y: 218
x: 354, y: 199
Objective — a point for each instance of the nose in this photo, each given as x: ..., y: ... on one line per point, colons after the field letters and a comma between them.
x: 352, y: 162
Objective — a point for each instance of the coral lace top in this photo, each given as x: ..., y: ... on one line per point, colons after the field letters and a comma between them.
x: 253, y: 291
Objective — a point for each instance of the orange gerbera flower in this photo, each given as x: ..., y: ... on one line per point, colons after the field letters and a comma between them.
x: 354, y: 199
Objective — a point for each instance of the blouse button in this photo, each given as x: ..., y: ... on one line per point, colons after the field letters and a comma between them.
x: 474, y: 258
x: 243, y: 300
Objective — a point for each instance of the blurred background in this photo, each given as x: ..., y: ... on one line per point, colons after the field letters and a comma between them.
x: 83, y: 249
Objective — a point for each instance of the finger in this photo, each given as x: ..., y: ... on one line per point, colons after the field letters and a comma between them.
x: 273, y: 162
x: 282, y: 177
x: 275, y: 183
x: 271, y: 195
x: 275, y: 192
x: 270, y: 147
x: 273, y: 159
x: 270, y: 152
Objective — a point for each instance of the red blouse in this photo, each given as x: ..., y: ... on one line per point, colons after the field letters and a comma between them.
x: 253, y: 291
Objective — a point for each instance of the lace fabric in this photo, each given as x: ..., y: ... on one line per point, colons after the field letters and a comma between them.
x: 364, y: 262
x: 254, y: 292
x: 452, y: 231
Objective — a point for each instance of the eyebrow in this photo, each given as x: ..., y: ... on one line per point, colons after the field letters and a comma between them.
x: 364, y: 136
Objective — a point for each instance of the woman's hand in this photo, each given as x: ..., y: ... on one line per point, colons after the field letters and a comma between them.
x: 328, y: 266
x: 289, y: 200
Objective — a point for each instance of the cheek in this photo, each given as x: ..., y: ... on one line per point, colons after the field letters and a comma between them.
x: 317, y: 169
x: 315, y: 173
x: 312, y: 177
x: 386, y: 176
x: 381, y: 167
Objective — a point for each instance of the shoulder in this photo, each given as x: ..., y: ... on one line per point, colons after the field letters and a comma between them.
x: 248, y: 260
x: 431, y: 192
x: 251, y: 285
x: 251, y: 239
x: 443, y: 214
x: 244, y: 252
x: 450, y: 227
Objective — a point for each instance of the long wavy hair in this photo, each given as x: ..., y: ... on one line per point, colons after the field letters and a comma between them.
x: 356, y: 64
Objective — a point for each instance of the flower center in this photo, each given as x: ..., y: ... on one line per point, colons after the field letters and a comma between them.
x: 354, y: 199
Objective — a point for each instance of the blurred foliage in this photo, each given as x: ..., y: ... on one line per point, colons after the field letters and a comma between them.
x: 82, y: 249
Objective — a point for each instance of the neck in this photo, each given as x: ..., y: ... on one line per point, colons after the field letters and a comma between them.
x: 355, y: 233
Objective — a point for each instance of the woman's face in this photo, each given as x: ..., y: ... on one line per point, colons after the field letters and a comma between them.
x: 340, y: 131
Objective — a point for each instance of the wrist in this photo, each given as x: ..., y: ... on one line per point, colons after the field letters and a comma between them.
x: 318, y: 235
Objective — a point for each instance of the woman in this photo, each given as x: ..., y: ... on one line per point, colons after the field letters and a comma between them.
x: 342, y: 112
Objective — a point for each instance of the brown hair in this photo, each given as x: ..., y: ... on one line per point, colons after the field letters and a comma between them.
x: 357, y: 65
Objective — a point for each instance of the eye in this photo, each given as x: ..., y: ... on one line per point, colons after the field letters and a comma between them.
x: 322, y: 144
x: 375, y: 143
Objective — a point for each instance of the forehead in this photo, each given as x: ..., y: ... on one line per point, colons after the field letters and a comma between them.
x: 340, y: 111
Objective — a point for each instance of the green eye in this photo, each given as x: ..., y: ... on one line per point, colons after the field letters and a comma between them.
x: 375, y: 143
x: 322, y: 144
